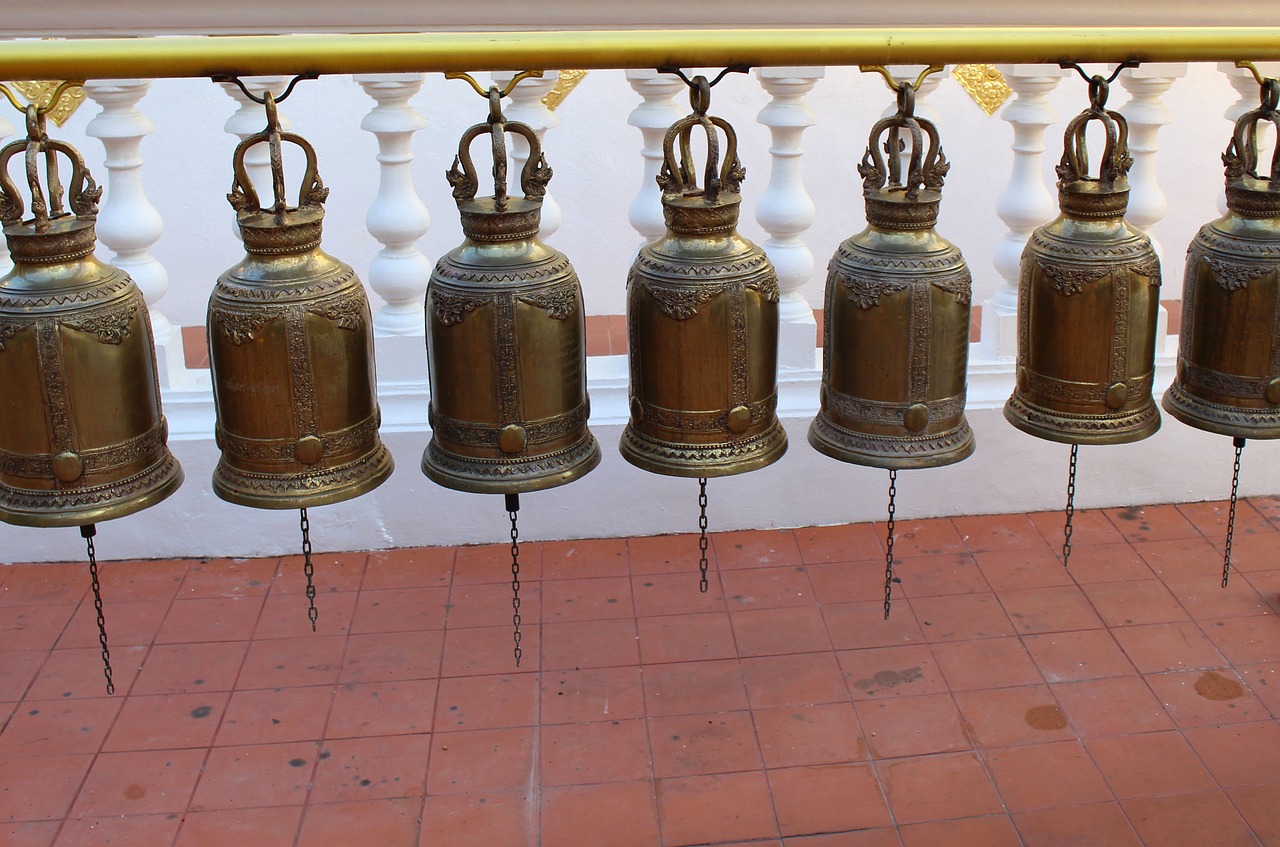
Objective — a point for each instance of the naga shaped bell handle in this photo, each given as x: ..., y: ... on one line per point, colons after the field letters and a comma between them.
x: 677, y: 176
x: 1241, y: 156
x: 84, y: 192
x: 535, y: 174
x: 244, y: 197
x: 927, y: 166
x: 1074, y: 167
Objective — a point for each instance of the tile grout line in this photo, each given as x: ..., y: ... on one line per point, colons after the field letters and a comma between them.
x: 435, y: 702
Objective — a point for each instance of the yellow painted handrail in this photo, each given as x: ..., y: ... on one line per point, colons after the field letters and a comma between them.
x: 182, y: 56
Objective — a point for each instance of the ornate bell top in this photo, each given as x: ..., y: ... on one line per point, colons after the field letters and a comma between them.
x: 713, y: 209
x: 892, y: 202
x: 53, y: 234
x: 1107, y: 195
x: 1247, y: 193
x: 280, y: 228
x: 499, y: 218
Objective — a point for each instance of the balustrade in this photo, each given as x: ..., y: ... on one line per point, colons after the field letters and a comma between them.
x: 796, y: 211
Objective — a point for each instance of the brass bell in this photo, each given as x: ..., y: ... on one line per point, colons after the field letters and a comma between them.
x: 506, y: 337
x: 1088, y: 296
x: 702, y: 324
x: 1228, y: 376
x: 896, y: 339
x: 702, y: 321
x: 291, y: 352
x: 82, y: 437
x: 506, y: 340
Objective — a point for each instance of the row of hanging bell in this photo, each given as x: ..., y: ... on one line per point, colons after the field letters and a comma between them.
x: 1088, y: 295
x: 506, y: 341
x: 1228, y: 374
x: 82, y: 437
x: 896, y: 336
x: 291, y: 354
x: 702, y: 324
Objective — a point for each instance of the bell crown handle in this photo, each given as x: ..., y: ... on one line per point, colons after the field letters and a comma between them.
x: 535, y: 174
x: 1241, y: 156
x: 243, y: 197
x: 677, y: 175
x: 84, y: 192
x: 927, y: 165
x: 1116, y: 160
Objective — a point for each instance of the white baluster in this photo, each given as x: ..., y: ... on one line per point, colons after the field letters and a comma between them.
x: 249, y: 119
x: 1247, y: 90
x: 397, y: 218
x: 1025, y: 203
x: 1146, y: 113
x: 785, y: 210
x: 652, y: 118
x: 527, y: 107
x: 127, y: 222
x: 6, y: 264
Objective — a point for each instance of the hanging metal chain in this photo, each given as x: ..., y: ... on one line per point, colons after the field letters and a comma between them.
x: 703, y: 585
x: 309, y: 571
x: 87, y: 532
x: 1231, y: 513
x: 1067, y: 528
x: 888, y: 545
x: 513, y: 506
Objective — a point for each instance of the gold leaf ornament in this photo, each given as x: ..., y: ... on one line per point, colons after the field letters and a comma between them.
x: 985, y: 84
x: 565, y: 83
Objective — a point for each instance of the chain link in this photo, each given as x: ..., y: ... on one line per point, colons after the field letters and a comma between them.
x: 1231, y: 513
x: 703, y: 585
x: 515, y: 577
x: 87, y: 532
x: 888, y: 545
x: 1068, y: 528
x: 309, y: 571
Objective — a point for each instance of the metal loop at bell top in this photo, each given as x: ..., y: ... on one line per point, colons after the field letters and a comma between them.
x: 535, y: 174
x: 1244, y: 140
x: 244, y: 196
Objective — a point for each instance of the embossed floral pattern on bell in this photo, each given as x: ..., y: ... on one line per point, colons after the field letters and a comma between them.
x: 82, y: 437
x: 1228, y: 378
x: 896, y: 336
x: 506, y: 336
x: 1088, y: 298
x: 291, y: 351
x: 702, y: 321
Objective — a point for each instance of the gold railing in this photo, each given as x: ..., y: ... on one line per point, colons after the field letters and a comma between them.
x: 104, y: 58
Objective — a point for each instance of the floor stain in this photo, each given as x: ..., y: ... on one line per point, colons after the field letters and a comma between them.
x: 134, y: 791
x: 1046, y: 717
x: 1214, y: 686
x: 889, y: 679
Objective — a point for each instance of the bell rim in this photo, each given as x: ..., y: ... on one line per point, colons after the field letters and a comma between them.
x: 1183, y: 406
x: 167, y: 469
x: 819, y: 441
x: 773, y: 438
x: 579, y: 460
x: 1146, y: 423
x: 379, y: 457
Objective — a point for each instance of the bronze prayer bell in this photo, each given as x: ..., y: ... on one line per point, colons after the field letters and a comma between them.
x: 1228, y: 378
x: 82, y: 437
x: 702, y: 322
x: 1087, y: 302
x: 506, y: 337
x: 291, y: 348
x: 896, y: 336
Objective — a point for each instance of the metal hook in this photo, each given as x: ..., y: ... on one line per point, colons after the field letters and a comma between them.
x: 732, y: 69
x: 1253, y: 69
x: 893, y: 83
x: 484, y: 92
x: 62, y: 89
x: 261, y: 101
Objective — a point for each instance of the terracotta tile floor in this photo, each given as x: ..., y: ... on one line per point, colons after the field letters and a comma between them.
x: 1129, y: 700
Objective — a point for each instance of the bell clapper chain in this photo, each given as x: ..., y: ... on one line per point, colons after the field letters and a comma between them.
x: 702, y: 534
x: 87, y: 532
x: 888, y: 541
x: 1238, y: 443
x: 308, y: 569
x: 513, y: 506
x: 1070, y: 511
